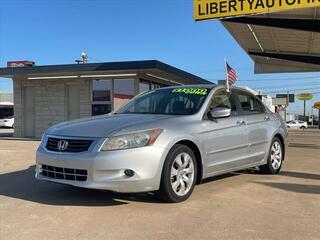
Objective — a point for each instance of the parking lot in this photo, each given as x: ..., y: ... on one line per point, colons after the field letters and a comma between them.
x: 242, y: 205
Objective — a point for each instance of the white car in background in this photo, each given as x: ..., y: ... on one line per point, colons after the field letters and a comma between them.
x: 7, y: 122
x: 297, y: 124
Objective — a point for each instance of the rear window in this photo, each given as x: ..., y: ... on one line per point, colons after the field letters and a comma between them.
x: 249, y: 104
x: 6, y: 112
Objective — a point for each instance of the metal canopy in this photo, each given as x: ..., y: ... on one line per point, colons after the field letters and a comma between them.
x: 287, y: 41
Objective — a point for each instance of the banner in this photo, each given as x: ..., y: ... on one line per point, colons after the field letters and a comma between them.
x: 217, y: 9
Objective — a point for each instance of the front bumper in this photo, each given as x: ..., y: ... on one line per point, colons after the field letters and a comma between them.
x: 5, y: 124
x: 105, y: 170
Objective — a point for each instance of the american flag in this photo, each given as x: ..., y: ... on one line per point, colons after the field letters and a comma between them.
x: 231, y: 75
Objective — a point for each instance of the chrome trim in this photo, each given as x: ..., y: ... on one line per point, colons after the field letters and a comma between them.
x: 95, y: 143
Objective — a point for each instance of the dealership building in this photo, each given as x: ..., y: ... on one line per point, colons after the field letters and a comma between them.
x: 46, y: 95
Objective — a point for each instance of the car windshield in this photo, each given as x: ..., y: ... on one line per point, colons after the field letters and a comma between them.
x: 168, y: 101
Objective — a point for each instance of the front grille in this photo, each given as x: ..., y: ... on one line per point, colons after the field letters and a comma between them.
x: 64, y: 173
x: 73, y: 145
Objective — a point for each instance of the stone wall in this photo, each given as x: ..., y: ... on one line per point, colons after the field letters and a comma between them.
x: 50, y: 102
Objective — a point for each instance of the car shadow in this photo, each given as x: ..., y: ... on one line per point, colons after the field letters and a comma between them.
x: 299, y: 188
x: 300, y: 175
x: 292, y: 187
x: 303, y: 175
x: 22, y: 185
x: 303, y: 145
x: 220, y: 177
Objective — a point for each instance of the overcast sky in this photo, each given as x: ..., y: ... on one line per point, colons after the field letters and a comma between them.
x: 56, y: 32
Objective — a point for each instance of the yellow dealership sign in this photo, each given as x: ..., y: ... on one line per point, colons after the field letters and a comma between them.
x: 216, y: 9
x: 305, y: 96
x: 317, y: 105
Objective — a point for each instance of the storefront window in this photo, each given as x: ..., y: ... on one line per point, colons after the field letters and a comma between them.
x: 123, y: 91
x: 100, y: 109
x: 144, y: 86
x: 101, y: 90
x: 155, y: 86
x: 101, y: 97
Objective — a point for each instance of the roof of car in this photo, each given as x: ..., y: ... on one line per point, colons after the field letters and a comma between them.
x: 213, y: 85
x: 194, y: 86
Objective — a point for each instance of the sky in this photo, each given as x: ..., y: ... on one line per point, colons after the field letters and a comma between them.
x: 57, y: 31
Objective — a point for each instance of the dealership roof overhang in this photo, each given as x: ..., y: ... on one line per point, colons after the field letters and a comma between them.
x: 287, y: 41
x: 149, y: 69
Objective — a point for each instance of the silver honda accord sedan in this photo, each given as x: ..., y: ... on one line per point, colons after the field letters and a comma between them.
x: 165, y: 141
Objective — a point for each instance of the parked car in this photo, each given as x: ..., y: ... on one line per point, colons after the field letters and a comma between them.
x: 166, y: 140
x: 297, y: 124
x: 7, y: 122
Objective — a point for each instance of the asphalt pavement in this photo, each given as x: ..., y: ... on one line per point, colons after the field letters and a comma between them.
x: 241, y: 205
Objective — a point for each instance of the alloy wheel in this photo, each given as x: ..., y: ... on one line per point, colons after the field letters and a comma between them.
x: 276, y: 155
x: 182, y: 174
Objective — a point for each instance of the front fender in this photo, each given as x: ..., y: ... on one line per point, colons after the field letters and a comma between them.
x: 178, y: 139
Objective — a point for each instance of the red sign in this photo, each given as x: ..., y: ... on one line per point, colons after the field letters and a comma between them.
x: 20, y: 64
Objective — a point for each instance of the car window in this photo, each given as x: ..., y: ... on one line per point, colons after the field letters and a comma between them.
x: 6, y: 112
x: 223, y: 99
x: 249, y: 104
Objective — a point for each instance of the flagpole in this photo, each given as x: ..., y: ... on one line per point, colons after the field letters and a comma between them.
x: 227, y: 82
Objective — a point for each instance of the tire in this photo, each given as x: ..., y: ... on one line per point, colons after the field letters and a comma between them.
x: 178, y: 177
x: 275, y: 158
x: 303, y: 127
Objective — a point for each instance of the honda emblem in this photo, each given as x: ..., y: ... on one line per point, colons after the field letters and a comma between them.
x: 62, y: 145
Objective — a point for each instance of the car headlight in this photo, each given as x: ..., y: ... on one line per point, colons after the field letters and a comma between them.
x: 131, y: 140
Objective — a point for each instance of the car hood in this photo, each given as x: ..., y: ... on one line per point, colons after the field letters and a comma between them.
x: 102, y: 126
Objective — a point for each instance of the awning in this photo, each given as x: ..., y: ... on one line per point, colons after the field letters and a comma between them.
x: 278, y: 42
x: 149, y: 68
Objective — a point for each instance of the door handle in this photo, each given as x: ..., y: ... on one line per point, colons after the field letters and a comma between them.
x: 239, y: 123
x: 267, y: 118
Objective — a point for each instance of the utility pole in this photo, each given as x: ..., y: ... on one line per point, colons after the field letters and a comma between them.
x: 304, y: 110
x: 285, y: 110
x: 319, y: 119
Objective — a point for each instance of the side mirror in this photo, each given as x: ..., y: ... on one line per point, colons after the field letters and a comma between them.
x: 219, y: 112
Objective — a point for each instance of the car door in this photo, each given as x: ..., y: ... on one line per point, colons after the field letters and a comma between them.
x: 225, y: 138
x: 259, y: 122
